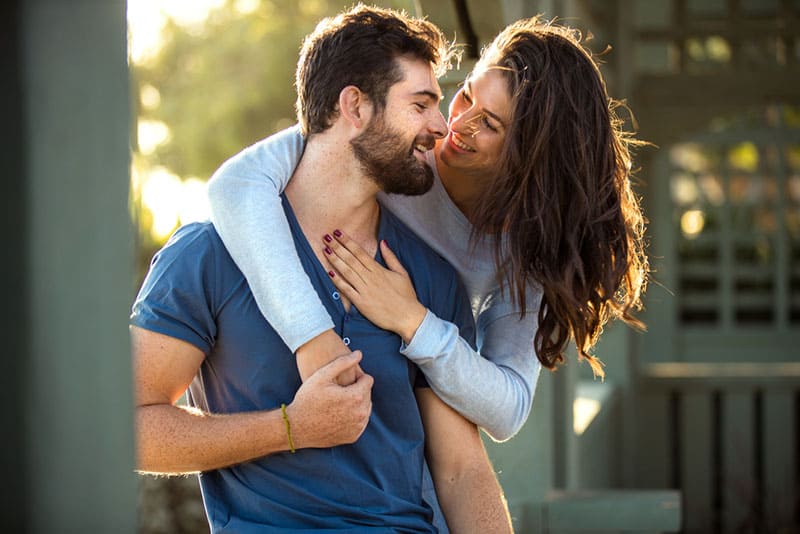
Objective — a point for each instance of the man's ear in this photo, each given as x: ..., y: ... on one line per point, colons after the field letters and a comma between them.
x: 355, y: 107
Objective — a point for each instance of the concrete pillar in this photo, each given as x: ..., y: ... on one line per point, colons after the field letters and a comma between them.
x: 71, y: 273
x: 12, y: 271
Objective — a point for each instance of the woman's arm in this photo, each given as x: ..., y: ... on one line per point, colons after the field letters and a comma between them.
x: 493, y: 388
x: 247, y: 213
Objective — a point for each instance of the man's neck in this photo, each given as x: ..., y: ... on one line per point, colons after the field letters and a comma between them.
x: 329, y: 191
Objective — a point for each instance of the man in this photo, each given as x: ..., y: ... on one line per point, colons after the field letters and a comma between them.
x: 312, y: 465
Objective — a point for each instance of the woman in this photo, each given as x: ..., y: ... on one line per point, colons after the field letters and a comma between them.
x: 532, y: 205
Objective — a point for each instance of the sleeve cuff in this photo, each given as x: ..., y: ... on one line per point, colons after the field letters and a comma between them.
x: 429, y: 339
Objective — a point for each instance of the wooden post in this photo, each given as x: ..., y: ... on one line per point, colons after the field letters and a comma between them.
x: 72, y: 270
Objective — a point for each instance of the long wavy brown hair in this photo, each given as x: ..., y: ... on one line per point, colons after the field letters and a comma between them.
x: 562, y: 195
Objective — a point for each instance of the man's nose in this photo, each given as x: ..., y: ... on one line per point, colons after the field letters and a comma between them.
x: 438, y: 126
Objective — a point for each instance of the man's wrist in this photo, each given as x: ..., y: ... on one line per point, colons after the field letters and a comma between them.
x: 297, y: 427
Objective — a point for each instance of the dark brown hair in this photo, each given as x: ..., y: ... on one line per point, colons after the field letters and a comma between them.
x: 562, y: 196
x: 359, y: 47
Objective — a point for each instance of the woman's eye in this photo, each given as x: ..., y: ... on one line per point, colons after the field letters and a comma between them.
x: 466, y: 97
x: 486, y: 123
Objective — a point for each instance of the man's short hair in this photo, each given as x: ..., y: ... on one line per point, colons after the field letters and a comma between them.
x: 359, y: 47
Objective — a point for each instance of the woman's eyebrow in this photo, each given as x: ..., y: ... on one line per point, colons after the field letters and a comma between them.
x: 468, y: 85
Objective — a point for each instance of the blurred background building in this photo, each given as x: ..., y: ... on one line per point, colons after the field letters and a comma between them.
x: 696, y: 428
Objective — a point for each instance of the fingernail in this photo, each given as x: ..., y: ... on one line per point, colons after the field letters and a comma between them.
x: 327, y: 238
x: 331, y: 274
x: 328, y: 251
x: 385, y: 243
x: 337, y: 233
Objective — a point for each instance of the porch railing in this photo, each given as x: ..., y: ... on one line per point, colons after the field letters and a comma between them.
x: 726, y: 435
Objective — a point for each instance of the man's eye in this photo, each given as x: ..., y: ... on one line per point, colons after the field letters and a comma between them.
x: 421, y: 107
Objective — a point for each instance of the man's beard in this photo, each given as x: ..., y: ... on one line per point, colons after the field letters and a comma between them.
x: 390, y: 162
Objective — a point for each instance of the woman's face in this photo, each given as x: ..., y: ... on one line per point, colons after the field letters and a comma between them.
x: 480, y: 114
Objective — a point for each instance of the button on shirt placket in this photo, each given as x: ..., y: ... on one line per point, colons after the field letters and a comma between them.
x: 345, y: 319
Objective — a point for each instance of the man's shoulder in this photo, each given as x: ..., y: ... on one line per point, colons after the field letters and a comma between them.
x: 193, y: 264
x: 185, y: 287
x: 196, y: 237
x: 196, y: 246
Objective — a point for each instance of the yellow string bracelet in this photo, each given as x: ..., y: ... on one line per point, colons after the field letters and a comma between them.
x: 288, y: 427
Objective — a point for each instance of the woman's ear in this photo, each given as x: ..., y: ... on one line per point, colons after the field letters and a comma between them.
x: 355, y: 107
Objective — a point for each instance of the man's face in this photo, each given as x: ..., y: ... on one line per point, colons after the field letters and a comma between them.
x: 394, y: 155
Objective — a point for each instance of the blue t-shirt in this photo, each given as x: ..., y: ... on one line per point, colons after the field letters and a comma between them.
x: 195, y: 292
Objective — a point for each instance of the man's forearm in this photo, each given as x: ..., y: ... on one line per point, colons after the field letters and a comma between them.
x: 468, y: 492
x: 177, y: 440
x: 473, y: 502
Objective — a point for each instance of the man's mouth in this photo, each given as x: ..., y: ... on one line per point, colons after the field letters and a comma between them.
x: 425, y: 144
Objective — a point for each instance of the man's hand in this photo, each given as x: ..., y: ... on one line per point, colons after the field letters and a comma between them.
x: 325, y: 413
x: 321, y: 350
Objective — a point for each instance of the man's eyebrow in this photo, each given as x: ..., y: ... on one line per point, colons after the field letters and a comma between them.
x: 436, y: 97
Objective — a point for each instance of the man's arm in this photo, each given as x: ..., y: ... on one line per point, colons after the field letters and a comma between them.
x: 468, y: 491
x: 177, y: 439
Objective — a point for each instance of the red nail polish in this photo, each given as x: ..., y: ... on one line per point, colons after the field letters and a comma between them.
x: 385, y: 243
x: 328, y: 251
x: 330, y: 273
x: 327, y: 238
x: 337, y: 233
